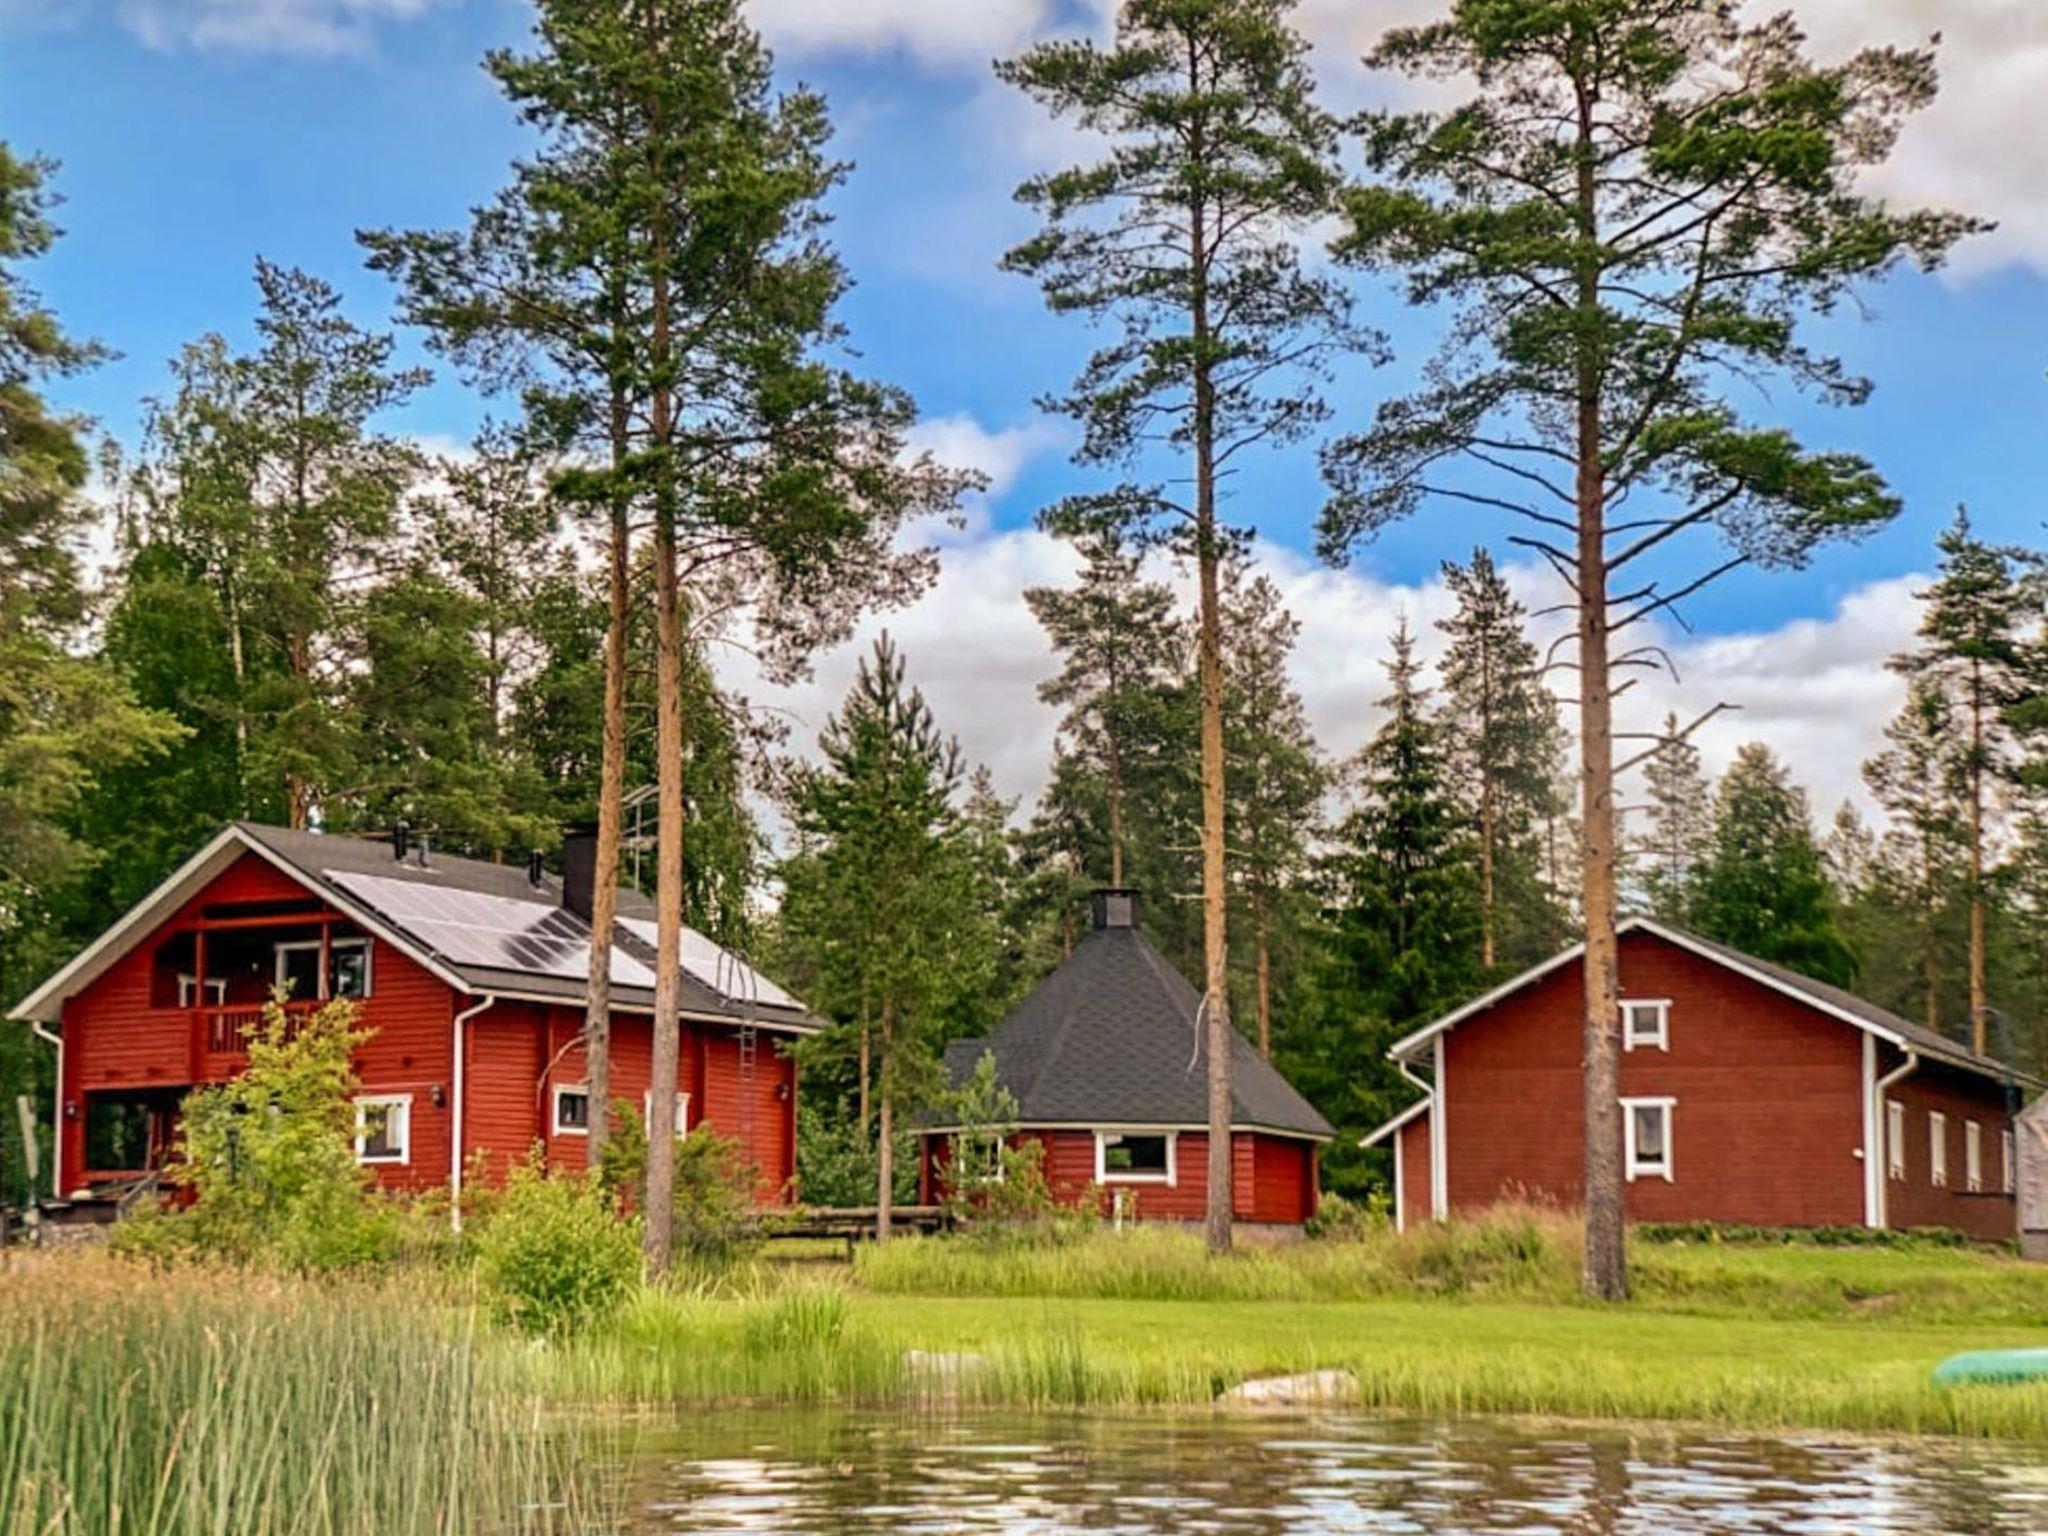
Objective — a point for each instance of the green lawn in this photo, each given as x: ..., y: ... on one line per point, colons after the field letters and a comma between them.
x: 1480, y: 1320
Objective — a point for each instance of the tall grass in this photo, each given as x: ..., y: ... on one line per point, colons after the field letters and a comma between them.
x: 138, y: 1404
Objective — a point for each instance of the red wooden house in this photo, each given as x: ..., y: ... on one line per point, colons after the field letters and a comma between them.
x: 1109, y: 1069
x: 471, y: 976
x: 1750, y: 1095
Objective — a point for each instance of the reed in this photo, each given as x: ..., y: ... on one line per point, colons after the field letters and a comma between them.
x: 134, y: 1403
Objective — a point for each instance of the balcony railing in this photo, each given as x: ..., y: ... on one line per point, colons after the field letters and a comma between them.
x: 226, y: 1031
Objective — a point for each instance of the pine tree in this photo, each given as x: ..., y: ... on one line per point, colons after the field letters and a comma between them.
x: 1185, y: 235
x: 884, y: 908
x: 1763, y: 886
x: 268, y: 473
x: 1974, y: 653
x: 1276, y: 778
x: 1679, y: 823
x: 1117, y: 639
x: 1503, y: 729
x: 1630, y: 211
x: 660, y: 276
x: 65, y: 720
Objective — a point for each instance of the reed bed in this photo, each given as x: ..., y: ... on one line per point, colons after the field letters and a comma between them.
x: 141, y: 1404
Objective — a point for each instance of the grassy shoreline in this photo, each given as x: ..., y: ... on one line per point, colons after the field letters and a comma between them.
x: 143, y: 1401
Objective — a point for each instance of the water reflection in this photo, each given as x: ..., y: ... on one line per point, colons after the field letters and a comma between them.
x: 837, y: 1473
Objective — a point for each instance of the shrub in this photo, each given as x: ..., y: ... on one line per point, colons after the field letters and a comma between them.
x: 1351, y: 1221
x: 554, y: 1256
x: 269, y: 1159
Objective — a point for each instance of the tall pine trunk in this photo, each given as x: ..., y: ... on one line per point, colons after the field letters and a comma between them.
x: 1488, y: 816
x: 611, y: 794
x: 1262, y: 938
x: 1606, y: 1259
x: 1209, y: 666
x: 1116, y: 812
x: 659, y: 1235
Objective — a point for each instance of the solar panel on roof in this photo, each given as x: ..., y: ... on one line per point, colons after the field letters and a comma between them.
x: 492, y: 932
x: 718, y: 968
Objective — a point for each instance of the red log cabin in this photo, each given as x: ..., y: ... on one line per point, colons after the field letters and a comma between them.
x: 1109, y: 1068
x: 1750, y: 1095
x: 471, y: 977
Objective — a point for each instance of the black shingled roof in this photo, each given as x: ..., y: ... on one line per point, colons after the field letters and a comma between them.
x: 1110, y: 1038
x: 315, y: 856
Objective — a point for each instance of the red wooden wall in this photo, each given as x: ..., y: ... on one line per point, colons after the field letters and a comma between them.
x: 1768, y: 1126
x: 117, y: 1037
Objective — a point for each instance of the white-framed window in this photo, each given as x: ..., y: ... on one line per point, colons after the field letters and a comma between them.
x: 1646, y: 1024
x: 571, y: 1116
x: 2008, y: 1173
x: 348, y: 968
x: 1937, y: 1149
x: 979, y: 1159
x: 682, y: 1113
x: 188, y: 991
x: 1973, y: 1156
x: 1136, y: 1157
x: 384, y: 1128
x: 1895, y: 1138
x: 1646, y: 1136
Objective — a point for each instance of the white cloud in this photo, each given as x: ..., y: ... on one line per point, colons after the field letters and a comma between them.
x: 942, y: 33
x: 266, y: 26
x: 1815, y: 690
x: 961, y: 442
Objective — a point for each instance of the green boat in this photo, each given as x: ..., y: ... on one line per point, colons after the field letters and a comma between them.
x: 1986, y: 1367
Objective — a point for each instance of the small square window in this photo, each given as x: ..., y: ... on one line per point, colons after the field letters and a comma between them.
x: 384, y: 1129
x: 1646, y: 1132
x: 1134, y: 1157
x: 1646, y: 1025
x: 572, y: 1110
x: 682, y: 1113
x: 979, y: 1159
x: 348, y: 969
x: 216, y: 990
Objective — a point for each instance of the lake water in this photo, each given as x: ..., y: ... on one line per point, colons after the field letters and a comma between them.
x: 906, y: 1475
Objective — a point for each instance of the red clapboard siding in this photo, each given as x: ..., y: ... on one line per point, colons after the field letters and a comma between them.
x: 1914, y: 1200
x: 1415, y: 1171
x: 117, y: 1038
x: 1272, y: 1178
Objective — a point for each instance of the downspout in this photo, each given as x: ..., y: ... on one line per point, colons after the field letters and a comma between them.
x: 455, y: 1109
x: 57, y: 1112
x: 1437, y: 1205
x: 1879, y: 1119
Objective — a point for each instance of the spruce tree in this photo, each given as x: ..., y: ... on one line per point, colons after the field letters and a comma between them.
x: 1763, y: 886
x: 1918, y: 871
x: 1504, y: 734
x: 1629, y: 213
x: 885, y: 910
x: 1185, y: 236
x: 1678, y: 823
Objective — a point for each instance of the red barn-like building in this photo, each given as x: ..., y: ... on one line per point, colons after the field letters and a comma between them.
x: 1750, y: 1095
x: 470, y: 975
x: 1109, y: 1067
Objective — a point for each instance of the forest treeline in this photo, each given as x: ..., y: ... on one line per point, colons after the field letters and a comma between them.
x: 306, y: 618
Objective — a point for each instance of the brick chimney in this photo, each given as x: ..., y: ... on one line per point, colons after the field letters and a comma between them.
x: 579, y: 867
x: 1114, y: 907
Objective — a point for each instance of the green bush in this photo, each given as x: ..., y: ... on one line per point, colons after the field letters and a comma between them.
x: 1351, y: 1221
x: 554, y: 1255
x: 269, y: 1160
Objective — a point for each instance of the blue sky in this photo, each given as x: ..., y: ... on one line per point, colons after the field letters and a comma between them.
x: 196, y: 134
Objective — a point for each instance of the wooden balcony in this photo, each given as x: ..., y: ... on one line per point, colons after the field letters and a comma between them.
x: 220, y: 1036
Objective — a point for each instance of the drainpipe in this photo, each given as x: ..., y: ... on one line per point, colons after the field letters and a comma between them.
x: 455, y: 1112
x: 1879, y: 1118
x: 1438, y: 1198
x: 57, y: 1120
